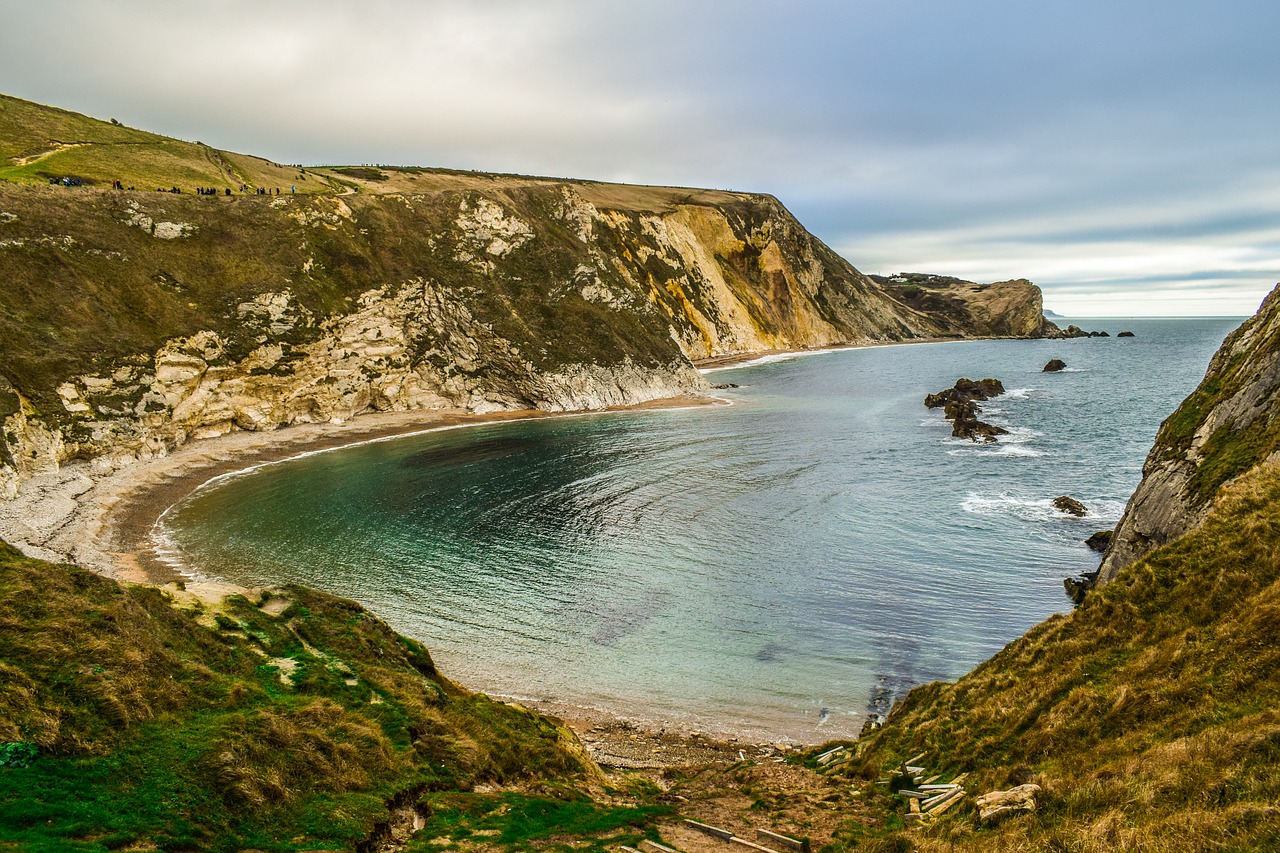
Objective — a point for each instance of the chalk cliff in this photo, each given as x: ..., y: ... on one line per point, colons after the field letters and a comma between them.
x: 133, y: 321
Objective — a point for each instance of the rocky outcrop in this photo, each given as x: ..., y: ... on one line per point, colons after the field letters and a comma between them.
x: 1071, y: 506
x: 1054, y: 365
x: 1012, y: 309
x: 1099, y: 541
x: 960, y: 406
x: 1228, y: 425
x: 482, y: 294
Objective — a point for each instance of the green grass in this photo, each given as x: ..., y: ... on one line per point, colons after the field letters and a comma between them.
x: 59, y: 143
x: 522, y: 822
x: 151, y: 728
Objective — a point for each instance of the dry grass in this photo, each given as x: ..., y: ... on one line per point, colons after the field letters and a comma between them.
x: 1148, y: 716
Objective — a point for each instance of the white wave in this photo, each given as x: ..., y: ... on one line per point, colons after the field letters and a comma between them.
x: 1019, y: 393
x: 1074, y: 370
x: 773, y: 358
x: 995, y: 449
x: 1037, y: 509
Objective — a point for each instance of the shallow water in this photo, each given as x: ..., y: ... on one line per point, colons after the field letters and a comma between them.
x: 777, y: 568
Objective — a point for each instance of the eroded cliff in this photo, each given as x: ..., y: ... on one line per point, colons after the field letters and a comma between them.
x: 136, y: 322
x: 1224, y: 428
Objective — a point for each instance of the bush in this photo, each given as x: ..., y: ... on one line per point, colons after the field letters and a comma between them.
x: 18, y: 754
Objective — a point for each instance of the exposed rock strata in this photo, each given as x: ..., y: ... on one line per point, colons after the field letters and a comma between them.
x: 967, y: 309
x: 1229, y: 424
x: 259, y: 312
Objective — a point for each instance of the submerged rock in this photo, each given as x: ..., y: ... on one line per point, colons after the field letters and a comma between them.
x: 1054, y: 365
x: 1070, y: 505
x: 1099, y: 541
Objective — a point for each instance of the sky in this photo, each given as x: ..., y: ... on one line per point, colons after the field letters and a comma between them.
x: 1120, y: 154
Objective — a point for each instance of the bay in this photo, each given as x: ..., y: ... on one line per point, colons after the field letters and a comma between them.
x: 782, y: 567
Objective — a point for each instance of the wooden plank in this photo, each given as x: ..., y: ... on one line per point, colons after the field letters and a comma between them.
x: 909, y: 793
x: 785, y: 840
x: 916, y: 758
x: 934, y: 778
x: 931, y: 804
x: 625, y: 849
x: 947, y: 786
x: 915, y: 806
x: 831, y: 752
x: 959, y: 779
x: 948, y: 804
x: 751, y: 845
x: 654, y: 847
x: 716, y: 831
x: 911, y: 769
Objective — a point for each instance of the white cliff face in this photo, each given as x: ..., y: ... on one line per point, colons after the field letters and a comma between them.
x: 369, y: 360
x: 543, y: 298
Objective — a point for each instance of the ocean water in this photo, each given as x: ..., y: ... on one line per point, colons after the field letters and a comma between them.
x: 781, y: 567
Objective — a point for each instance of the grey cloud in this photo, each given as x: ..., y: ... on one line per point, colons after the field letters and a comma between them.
x: 991, y: 135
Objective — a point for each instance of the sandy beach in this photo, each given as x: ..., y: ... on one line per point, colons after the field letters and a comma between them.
x: 101, y: 518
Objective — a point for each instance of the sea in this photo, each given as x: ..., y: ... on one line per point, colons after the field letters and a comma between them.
x: 782, y: 566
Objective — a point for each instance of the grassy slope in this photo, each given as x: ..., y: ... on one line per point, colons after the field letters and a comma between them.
x: 160, y: 725
x: 1149, y: 714
x: 38, y: 143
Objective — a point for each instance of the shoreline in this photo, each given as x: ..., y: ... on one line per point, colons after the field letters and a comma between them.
x: 103, y: 519
x: 731, y: 362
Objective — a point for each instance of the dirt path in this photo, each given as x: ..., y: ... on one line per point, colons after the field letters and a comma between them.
x: 58, y: 148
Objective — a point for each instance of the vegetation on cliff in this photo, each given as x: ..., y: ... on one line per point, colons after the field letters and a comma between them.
x: 1148, y: 716
x: 293, y: 721
x: 133, y: 320
x: 1224, y: 428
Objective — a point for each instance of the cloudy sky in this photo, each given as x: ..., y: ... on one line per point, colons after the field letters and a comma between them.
x: 1121, y: 154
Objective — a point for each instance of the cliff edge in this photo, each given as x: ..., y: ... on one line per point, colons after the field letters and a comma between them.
x: 1224, y: 428
x: 241, y: 294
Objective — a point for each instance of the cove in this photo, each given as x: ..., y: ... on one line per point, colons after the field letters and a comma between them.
x: 783, y: 567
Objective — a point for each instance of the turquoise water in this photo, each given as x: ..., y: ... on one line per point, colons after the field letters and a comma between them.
x: 780, y: 567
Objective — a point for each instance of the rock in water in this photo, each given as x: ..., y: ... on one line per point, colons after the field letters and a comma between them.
x: 1054, y: 365
x: 1125, y: 335
x: 1070, y: 505
x: 999, y: 804
x: 1099, y: 541
x: 960, y: 407
x: 1078, y: 587
x: 983, y: 389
